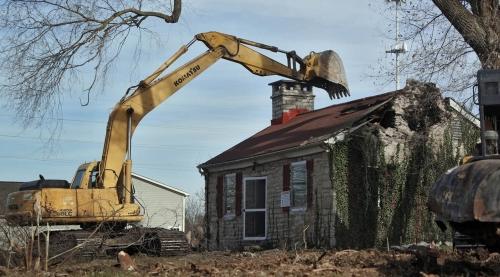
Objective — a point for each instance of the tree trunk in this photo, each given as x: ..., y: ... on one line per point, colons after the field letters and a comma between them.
x: 479, y: 26
x: 491, y: 60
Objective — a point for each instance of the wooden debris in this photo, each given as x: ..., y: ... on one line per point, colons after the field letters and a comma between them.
x: 126, y: 262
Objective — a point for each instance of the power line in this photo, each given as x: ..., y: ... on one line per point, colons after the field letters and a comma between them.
x: 203, y: 129
x: 166, y: 167
x: 155, y: 146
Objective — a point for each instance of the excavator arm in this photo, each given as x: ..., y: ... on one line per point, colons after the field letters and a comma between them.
x: 324, y: 70
x: 127, y: 114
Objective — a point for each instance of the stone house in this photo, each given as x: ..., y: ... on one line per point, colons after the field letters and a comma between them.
x: 348, y: 175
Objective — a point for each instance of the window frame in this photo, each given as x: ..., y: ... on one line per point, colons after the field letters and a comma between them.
x: 293, y: 207
x: 79, y: 175
x: 245, y: 210
x: 225, y: 214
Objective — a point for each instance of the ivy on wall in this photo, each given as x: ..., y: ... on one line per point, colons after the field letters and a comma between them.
x: 379, y: 201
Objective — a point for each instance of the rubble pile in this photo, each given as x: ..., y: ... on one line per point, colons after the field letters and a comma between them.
x: 419, y: 112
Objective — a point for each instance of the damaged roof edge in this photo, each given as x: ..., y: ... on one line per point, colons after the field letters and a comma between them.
x: 294, y: 152
x: 302, y: 150
x: 315, y: 145
x: 452, y: 103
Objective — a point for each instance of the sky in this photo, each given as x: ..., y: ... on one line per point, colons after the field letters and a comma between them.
x: 220, y: 108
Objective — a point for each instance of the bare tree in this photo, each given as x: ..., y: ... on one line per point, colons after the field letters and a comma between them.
x: 195, y: 218
x: 449, y: 40
x: 478, y: 21
x: 47, y: 43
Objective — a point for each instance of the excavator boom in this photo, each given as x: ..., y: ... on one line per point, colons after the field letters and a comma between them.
x: 324, y: 70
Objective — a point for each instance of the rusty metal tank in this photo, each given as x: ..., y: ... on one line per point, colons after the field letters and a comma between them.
x: 468, y: 198
x: 469, y: 192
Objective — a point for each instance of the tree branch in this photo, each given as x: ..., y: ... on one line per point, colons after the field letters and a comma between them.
x: 466, y: 23
x: 46, y: 44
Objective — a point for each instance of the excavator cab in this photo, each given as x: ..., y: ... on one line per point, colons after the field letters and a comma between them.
x: 86, y: 176
x: 80, y: 178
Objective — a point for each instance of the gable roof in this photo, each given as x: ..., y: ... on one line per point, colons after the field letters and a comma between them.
x: 159, y: 184
x: 304, y: 129
x: 465, y: 113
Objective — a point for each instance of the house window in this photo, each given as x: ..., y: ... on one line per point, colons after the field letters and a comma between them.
x: 229, y: 194
x: 456, y: 130
x: 298, y: 178
x: 254, y: 216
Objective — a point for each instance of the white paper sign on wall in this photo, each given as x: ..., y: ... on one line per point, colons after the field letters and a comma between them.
x: 285, y: 199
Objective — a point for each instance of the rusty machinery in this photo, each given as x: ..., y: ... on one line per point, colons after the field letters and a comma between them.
x: 468, y: 196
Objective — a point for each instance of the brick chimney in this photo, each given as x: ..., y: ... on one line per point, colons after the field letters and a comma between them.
x: 290, y: 98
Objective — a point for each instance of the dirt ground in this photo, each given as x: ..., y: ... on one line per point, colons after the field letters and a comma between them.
x: 426, y: 262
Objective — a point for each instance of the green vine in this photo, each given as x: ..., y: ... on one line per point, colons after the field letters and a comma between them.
x: 378, y: 200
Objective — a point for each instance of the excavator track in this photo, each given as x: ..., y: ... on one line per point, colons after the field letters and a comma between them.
x: 163, y: 242
x: 173, y: 242
x: 88, y: 245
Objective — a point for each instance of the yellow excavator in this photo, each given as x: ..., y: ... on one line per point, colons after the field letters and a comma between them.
x: 101, y: 192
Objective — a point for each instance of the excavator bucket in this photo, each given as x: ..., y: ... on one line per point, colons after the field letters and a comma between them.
x: 325, y: 70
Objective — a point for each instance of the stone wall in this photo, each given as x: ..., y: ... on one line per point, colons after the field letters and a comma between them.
x: 284, y: 229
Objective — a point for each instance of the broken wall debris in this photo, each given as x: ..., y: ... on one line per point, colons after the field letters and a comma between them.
x: 383, y: 172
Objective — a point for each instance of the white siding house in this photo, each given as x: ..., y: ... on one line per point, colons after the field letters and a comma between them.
x: 162, y: 205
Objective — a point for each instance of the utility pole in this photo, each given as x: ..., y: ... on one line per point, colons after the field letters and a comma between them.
x: 400, y: 46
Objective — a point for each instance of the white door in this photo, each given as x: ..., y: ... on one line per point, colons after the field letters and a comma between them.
x: 254, y: 210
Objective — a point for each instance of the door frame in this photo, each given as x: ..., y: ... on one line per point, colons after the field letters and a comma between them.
x: 254, y: 210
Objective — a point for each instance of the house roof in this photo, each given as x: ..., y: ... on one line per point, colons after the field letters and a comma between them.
x: 304, y: 129
x: 159, y: 184
x: 465, y: 113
